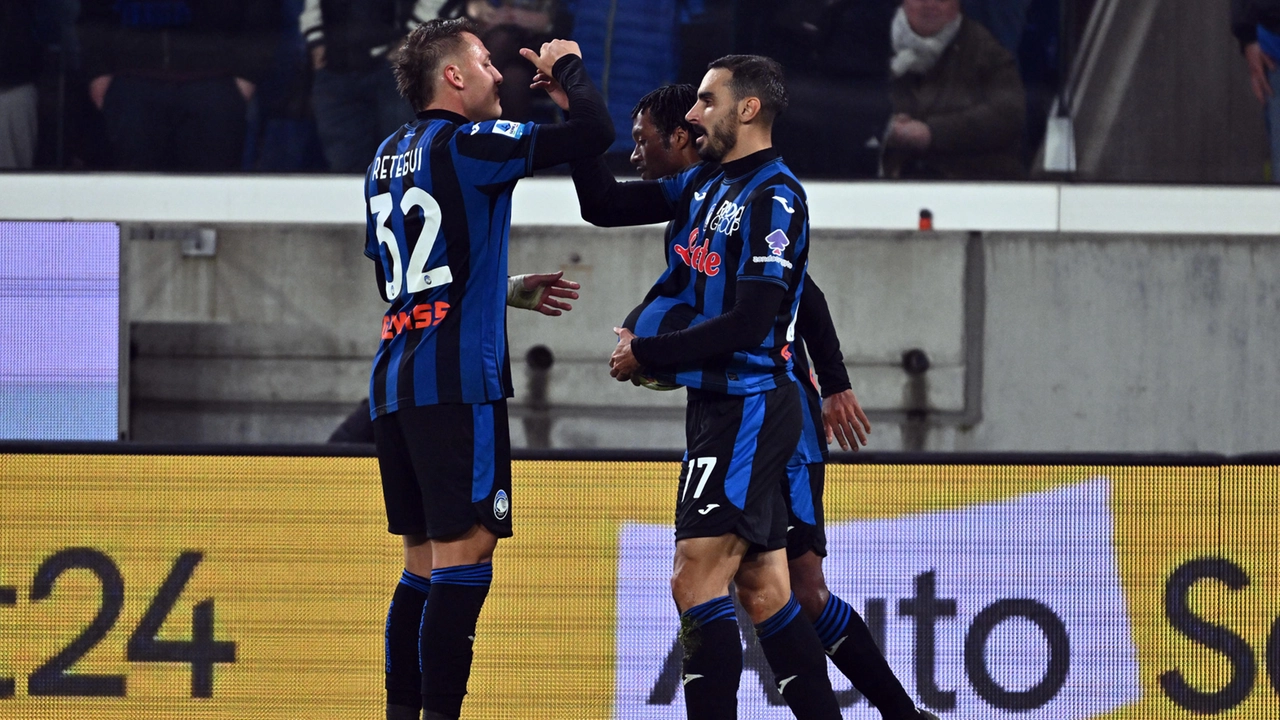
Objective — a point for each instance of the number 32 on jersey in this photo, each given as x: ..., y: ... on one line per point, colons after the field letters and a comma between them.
x: 415, y: 277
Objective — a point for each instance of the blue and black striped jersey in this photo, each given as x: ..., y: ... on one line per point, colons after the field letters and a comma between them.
x: 438, y: 197
x: 813, y: 436
x: 730, y: 229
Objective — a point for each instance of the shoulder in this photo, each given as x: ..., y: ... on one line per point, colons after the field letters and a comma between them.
x: 776, y: 183
x: 502, y: 128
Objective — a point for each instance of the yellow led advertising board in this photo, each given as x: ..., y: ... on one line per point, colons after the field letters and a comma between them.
x: 156, y: 586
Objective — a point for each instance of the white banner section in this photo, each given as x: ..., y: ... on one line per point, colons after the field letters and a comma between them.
x: 1011, y: 609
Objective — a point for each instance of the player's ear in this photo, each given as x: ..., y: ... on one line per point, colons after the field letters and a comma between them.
x: 679, y: 138
x: 452, y: 75
x: 749, y: 109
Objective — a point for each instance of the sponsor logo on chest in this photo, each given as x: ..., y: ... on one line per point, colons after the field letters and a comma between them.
x: 726, y: 218
x: 699, y: 257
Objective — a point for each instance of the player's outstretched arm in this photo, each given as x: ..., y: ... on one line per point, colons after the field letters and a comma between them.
x: 605, y: 202
x: 543, y: 292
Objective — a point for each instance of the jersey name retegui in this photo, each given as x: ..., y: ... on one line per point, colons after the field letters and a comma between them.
x: 438, y: 197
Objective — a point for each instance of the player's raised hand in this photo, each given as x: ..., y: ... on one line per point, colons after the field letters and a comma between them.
x: 622, y: 364
x: 542, y: 292
x: 542, y: 81
x: 844, y: 420
x: 550, y: 53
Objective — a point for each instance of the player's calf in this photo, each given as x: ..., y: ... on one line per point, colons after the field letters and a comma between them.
x: 403, y: 674
x: 712, y: 660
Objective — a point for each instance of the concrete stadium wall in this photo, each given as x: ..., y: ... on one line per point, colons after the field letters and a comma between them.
x: 1037, y: 341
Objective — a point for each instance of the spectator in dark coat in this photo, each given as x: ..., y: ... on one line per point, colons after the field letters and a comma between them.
x: 173, y: 77
x: 959, y: 106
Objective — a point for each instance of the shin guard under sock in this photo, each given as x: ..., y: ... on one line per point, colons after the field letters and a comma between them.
x: 799, y: 666
x: 403, y: 666
x: 849, y: 644
x: 448, y: 631
x: 712, y: 660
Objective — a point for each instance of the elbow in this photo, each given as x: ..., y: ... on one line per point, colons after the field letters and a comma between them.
x: 755, y: 336
x: 594, y: 216
x: 599, y: 217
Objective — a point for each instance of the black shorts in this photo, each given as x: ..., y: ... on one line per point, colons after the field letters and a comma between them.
x: 734, y: 476
x: 805, y: 527
x: 445, y: 468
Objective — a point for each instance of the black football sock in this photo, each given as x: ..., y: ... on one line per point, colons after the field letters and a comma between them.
x: 403, y: 668
x: 849, y: 644
x: 712, y: 660
x: 799, y: 667
x: 448, y: 631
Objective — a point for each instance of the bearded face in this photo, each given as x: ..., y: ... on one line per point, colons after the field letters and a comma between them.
x: 720, y: 138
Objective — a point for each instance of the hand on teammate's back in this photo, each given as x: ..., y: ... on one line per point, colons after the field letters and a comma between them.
x: 552, y: 51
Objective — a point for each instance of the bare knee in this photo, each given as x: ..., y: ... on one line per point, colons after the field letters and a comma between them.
x: 417, y: 555
x: 763, y: 585
x: 703, y: 568
x: 760, y: 603
x: 809, y: 584
x: 474, y: 546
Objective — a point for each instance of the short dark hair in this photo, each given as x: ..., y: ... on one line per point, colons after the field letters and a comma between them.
x: 418, y: 60
x: 756, y: 76
x: 667, y: 107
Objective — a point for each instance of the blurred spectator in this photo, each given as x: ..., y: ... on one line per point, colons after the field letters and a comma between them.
x: 19, y: 67
x: 836, y: 54
x: 506, y: 26
x: 1256, y: 24
x: 282, y: 125
x: 958, y: 103
x: 173, y: 77
x: 354, y: 93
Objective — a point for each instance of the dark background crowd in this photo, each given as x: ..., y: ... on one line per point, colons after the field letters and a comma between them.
x: 304, y: 86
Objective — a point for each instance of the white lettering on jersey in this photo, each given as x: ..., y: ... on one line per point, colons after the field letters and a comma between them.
x: 394, y: 166
x: 727, y: 218
x: 772, y: 259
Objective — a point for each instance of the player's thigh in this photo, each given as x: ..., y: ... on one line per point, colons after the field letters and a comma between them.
x: 461, y: 459
x: 733, y: 476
